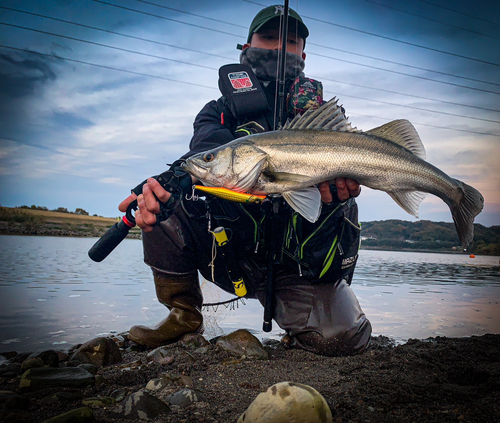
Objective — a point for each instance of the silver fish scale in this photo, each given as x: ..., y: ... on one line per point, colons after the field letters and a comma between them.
x: 323, y: 155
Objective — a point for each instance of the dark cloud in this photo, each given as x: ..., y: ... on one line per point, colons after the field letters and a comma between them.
x: 20, y: 74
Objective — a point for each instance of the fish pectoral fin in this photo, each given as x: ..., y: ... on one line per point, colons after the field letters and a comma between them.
x: 285, y: 177
x: 409, y: 201
x: 306, y: 202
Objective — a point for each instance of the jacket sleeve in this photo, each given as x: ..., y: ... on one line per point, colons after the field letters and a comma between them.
x: 209, y: 131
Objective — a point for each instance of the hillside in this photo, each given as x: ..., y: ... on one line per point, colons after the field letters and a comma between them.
x: 25, y: 221
x: 427, y: 235
x: 422, y: 235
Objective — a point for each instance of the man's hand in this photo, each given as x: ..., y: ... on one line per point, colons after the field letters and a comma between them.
x: 148, y: 205
x: 345, y: 188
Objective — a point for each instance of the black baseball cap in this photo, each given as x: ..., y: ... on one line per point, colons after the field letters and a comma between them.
x: 272, y: 12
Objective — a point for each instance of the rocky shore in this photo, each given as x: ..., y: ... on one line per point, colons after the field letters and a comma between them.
x: 199, y: 380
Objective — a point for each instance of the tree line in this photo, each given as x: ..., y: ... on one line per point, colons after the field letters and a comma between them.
x: 58, y: 210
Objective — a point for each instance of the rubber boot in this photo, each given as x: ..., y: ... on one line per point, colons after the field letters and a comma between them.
x: 182, y: 295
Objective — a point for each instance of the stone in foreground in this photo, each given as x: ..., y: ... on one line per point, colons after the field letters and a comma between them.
x: 288, y: 402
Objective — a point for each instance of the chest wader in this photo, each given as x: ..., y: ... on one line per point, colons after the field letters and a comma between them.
x: 181, y: 294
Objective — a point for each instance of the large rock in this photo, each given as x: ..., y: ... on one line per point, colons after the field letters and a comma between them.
x: 288, y: 402
x: 99, y: 352
x: 42, y: 377
x: 141, y: 405
x: 13, y: 401
x: 243, y: 344
x: 186, y: 397
x: 47, y: 358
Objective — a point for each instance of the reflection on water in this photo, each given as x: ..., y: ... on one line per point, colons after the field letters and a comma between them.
x: 52, y: 295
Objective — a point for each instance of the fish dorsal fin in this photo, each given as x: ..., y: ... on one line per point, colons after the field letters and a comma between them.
x: 330, y: 116
x: 402, y: 133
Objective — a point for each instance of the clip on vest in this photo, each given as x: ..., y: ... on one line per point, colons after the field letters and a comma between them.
x: 242, y: 90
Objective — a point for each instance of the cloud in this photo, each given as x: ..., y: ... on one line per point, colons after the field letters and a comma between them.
x: 22, y: 73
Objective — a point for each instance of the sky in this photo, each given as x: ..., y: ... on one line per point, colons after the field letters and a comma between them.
x: 96, y: 96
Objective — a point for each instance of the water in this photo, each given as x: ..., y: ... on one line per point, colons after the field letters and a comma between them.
x: 53, y: 296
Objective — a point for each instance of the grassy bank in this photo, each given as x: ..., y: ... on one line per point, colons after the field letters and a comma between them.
x: 18, y: 221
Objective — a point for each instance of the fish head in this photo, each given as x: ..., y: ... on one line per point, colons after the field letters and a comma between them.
x: 235, y: 166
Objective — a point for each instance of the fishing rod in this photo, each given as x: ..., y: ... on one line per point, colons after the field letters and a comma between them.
x: 274, y: 207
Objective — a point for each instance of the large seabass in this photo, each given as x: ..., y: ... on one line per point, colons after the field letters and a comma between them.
x: 322, y: 145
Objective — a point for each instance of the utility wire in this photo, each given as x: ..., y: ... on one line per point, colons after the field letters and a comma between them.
x: 399, y: 64
x: 417, y: 108
x: 388, y: 38
x: 192, y: 14
x: 160, y: 57
x: 230, y: 58
x: 460, y: 13
x: 108, y: 67
x: 187, y: 83
x: 167, y: 19
x: 211, y: 68
x: 407, y: 74
x: 322, y: 78
x: 434, y: 126
x: 107, y: 46
x: 121, y: 34
x: 430, y: 19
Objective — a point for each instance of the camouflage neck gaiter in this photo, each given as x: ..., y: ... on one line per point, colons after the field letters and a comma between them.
x: 264, y: 63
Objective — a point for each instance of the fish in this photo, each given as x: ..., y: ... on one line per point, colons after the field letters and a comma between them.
x: 231, y: 195
x: 322, y: 145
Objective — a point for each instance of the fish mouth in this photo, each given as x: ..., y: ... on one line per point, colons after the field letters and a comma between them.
x: 196, y: 170
x: 201, y: 173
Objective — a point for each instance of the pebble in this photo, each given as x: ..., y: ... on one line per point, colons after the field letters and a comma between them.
x: 67, y: 396
x: 193, y: 341
x: 169, y: 380
x: 288, y: 402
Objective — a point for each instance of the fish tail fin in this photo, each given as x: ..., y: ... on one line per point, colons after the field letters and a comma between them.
x: 463, y: 210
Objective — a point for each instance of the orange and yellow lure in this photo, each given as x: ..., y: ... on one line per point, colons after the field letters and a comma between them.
x: 227, y: 194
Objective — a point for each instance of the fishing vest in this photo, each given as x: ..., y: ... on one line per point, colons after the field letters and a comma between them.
x: 324, y: 251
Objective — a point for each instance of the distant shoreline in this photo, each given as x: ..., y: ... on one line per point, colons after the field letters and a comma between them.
x: 27, y: 221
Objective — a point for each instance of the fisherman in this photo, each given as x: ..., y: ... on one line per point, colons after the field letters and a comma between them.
x: 313, y: 301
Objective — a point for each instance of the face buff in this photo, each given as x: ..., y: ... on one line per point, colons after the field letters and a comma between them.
x: 264, y: 63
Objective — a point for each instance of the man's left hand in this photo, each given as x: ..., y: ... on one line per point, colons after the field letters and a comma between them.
x: 346, y: 188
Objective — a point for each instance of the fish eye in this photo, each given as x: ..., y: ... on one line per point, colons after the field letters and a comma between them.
x: 209, y: 157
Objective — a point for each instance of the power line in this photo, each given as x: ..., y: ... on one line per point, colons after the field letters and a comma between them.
x: 433, y: 126
x: 107, y: 46
x: 389, y: 38
x: 407, y: 74
x: 400, y: 64
x: 229, y: 58
x: 116, y: 33
x: 163, y: 17
x: 430, y: 19
x: 160, y: 57
x: 108, y: 67
x: 456, y: 11
x: 321, y: 78
x: 192, y: 14
x: 181, y: 82
x: 211, y: 68
x: 417, y: 108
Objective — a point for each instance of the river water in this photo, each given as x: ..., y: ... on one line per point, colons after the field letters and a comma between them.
x: 53, y: 296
